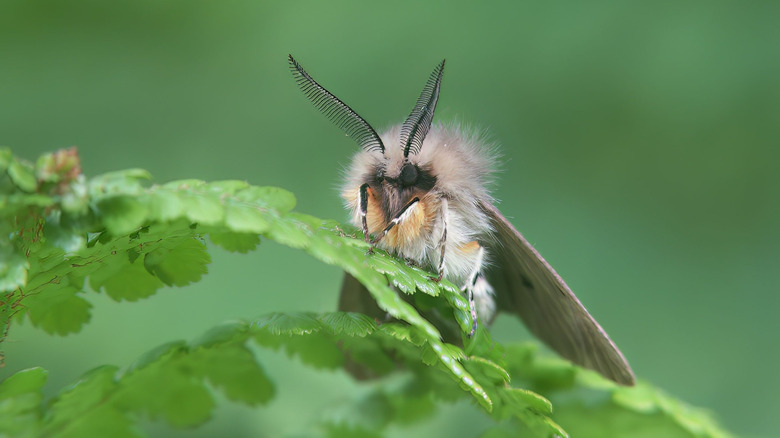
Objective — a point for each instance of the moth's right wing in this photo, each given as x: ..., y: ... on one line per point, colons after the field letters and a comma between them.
x: 529, y: 287
x: 354, y: 297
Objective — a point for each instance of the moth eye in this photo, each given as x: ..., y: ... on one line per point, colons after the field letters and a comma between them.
x: 408, y: 175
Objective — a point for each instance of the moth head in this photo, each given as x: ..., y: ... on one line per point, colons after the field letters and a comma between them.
x: 401, y: 175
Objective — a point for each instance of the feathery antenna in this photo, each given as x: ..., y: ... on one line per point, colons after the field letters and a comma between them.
x: 337, y: 111
x: 416, y: 126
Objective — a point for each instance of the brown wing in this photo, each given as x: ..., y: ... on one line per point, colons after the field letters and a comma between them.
x: 355, y: 297
x: 529, y: 287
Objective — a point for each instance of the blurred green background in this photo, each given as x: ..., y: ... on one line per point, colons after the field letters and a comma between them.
x: 640, y: 143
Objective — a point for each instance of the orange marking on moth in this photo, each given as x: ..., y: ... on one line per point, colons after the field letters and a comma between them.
x: 352, y: 196
x: 374, y: 217
x: 417, y: 225
x: 469, y: 247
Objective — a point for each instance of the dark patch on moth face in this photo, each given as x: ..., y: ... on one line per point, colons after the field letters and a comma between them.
x: 395, y: 192
x: 408, y: 176
x: 425, y: 179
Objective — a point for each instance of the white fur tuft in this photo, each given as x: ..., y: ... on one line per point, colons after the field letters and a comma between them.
x: 463, y: 167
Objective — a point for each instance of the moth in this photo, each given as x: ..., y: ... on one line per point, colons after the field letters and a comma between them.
x: 420, y: 190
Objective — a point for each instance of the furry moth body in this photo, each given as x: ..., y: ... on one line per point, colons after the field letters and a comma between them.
x: 420, y: 189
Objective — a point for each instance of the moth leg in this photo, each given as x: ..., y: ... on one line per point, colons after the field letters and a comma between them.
x: 339, y: 230
x: 476, y: 283
x: 396, y: 219
x: 443, y: 240
x: 364, y: 211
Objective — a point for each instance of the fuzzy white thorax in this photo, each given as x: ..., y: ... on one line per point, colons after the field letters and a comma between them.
x: 463, y: 166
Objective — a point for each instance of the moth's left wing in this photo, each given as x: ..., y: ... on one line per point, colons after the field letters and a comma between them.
x: 529, y: 287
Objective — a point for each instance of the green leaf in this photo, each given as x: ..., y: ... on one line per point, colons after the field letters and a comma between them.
x: 6, y: 156
x: 403, y: 333
x: 235, y: 242
x: 164, y: 205
x: 409, y: 410
x: 20, y: 403
x: 226, y: 187
x: 464, y: 378
x: 546, y: 373
x: 247, y: 218
x: 349, y: 323
x: 122, y: 214
x: 270, y: 197
x: 290, y: 232
x: 179, y: 265
x: 233, y: 369
x: 422, y: 280
x: 58, y: 310
x: 75, y: 200
x: 26, y: 381
x: 13, y: 271
x: 124, y: 280
x: 344, y: 430
x: 367, y: 357
x: 520, y: 398
x: 81, y: 397
x: 645, y: 399
x: 314, y: 349
x: 185, y: 186
x: 203, y: 208
x: 487, y: 369
x: 389, y: 301
x: 64, y: 239
x: 221, y: 334
x: 20, y: 417
x: 499, y: 432
x: 387, y: 265
x: 158, y: 354
x: 123, y: 182
x: 371, y: 411
x: 609, y: 421
x: 288, y: 323
x: 103, y: 421
x: 553, y: 429
x: 163, y: 389
x: 23, y: 175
